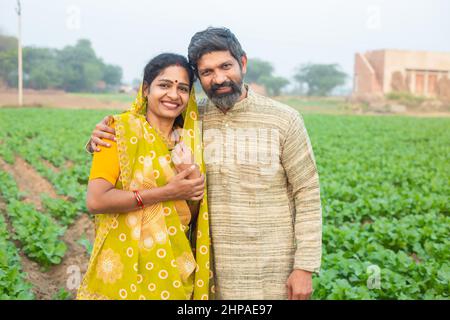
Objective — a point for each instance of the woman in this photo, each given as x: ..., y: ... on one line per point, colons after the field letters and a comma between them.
x: 149, y: 197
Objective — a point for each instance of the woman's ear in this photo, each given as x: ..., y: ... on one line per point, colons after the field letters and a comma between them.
x: 145, y: 89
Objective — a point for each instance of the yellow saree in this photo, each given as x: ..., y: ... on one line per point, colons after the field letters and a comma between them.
x: 146, y: 254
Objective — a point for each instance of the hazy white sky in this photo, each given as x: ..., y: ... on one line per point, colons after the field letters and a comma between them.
x: 284, y: 32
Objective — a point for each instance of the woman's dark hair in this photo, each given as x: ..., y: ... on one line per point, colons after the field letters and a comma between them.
x: 155, y: 66
x: 214, y: 39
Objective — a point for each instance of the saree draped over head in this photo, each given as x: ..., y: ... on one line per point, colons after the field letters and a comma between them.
x: 146, y: 254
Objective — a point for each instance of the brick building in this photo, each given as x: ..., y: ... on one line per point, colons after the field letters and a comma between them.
x: 421, y: 73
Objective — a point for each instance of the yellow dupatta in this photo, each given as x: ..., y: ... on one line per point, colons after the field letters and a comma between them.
x: 146, y: 254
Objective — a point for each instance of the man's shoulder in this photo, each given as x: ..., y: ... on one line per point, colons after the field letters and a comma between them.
x: 270, y: 106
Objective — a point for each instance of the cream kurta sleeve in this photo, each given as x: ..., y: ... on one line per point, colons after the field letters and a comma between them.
x: 299, y: 164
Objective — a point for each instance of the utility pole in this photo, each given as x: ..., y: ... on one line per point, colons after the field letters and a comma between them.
x: 20, y: 73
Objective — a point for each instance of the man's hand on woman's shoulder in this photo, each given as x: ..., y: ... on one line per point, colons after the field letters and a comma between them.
x: 101, y: 131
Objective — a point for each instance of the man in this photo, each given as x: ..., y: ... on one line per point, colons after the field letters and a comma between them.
x: 263, y: 185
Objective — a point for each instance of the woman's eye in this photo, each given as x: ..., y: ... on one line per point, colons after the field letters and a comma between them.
x: 184, y: 89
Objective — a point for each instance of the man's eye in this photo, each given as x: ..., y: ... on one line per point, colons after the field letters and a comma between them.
x: 227, y: 66
x: 205, y: 73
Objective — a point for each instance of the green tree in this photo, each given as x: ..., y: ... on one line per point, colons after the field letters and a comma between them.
x: 261, y: 72
x: 321, y: 79
x: 112, y: 74
x: 40, y: 68
x: 8, y: 43
x: 81, y: 68
x: 8, y: 67
x: 74, y: 68
x: 256, y: 69
x: 44, y: 77
x: 274, y: 84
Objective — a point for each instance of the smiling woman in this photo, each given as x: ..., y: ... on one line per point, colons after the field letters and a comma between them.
x: 169, y: 87
x: 139, y: 194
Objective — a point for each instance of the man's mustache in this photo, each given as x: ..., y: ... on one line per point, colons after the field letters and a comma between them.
x: 226, y: 84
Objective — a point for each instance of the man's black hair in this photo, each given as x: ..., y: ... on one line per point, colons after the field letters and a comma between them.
x: 214, y: 39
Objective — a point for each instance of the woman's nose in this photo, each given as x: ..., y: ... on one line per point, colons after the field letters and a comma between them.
x: 173, y: 93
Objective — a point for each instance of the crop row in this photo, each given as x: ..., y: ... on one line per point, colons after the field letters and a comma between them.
x: 38, y: 234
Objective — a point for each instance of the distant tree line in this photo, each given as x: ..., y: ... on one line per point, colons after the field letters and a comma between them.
x: 78, y: 69
x: 311, y: 79
x: 74, y: 68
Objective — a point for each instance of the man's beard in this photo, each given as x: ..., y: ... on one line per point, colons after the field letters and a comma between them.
x: 225, y: 101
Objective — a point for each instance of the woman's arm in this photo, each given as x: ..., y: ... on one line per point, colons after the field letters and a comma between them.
x: 103, y: 197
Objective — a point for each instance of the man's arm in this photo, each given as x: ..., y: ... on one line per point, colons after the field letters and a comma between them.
x: 298, y: 161
x: 101, y: 130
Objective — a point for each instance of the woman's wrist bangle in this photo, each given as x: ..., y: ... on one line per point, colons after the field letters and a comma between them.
x: 139, y: 199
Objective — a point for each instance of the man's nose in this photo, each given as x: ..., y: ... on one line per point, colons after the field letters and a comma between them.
x: 220, y: 78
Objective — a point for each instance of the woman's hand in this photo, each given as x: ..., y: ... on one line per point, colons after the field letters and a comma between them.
x: 101, y: 131
x: 183, y: 158
x: 182, y: 188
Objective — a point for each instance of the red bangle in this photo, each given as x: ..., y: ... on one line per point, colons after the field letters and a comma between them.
x: 139, y: 200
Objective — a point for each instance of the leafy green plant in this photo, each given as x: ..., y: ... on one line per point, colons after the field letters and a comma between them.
x: 63, y: 210
x: 38, y: 233
x: 62, y: 294
x: 13, y: 284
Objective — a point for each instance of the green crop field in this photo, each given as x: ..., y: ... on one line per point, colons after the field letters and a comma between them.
x: 385, y: 187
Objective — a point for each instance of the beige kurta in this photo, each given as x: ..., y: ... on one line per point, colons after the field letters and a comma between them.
x: 264, y: 197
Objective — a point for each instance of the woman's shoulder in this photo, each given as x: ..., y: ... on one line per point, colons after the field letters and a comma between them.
x: 113, y: 144
x: 127, y: 115
x: 129, y: 121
